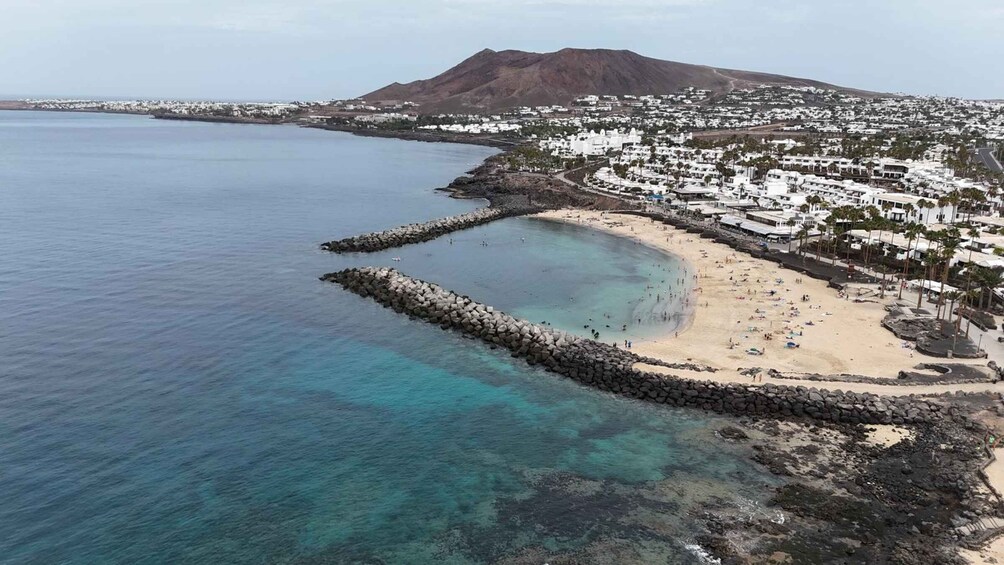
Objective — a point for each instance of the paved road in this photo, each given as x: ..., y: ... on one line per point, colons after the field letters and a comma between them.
x: 987, y: 156
x: 561, y: 176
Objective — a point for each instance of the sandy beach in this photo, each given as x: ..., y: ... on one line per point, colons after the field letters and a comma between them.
x: 738, y: 303
x: 741, y: 304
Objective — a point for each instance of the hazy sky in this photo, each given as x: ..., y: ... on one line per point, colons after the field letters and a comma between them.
x: 320, y: 49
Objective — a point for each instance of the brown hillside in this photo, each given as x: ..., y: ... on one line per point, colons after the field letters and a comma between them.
x: 496, y: 80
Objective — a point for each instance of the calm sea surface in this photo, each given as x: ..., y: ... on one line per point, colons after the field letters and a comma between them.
x: 176, y: 386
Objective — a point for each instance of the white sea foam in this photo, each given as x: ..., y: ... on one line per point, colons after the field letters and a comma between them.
x: 752, y: 509
x: 702, y: 554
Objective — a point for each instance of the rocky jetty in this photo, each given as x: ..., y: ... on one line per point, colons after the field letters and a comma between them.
x: 417, y: 233
x: 611, y: 369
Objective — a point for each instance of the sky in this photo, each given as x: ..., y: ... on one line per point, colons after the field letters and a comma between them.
x: 324, y: 49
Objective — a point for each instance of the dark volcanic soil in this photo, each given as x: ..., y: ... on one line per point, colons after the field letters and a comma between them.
x: 846, y: 500
x: 490, y: 181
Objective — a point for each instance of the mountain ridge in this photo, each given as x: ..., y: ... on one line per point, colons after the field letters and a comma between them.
x: 497, y: 80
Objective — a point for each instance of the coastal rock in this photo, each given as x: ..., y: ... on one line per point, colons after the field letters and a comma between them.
x: 609, y: 368
x: 417, y: 233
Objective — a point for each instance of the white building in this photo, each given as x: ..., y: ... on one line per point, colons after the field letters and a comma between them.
x: 591, y: 143
x: 898, y: 212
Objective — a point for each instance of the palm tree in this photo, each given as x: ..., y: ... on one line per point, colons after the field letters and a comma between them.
x: 913, y: 230
x: 826, y: 228
x: 866, y: 225
x: 814, y: 200
x: 853, y: 216
x: 882, y: 225
x: 973, y: 233
x: 908, y: 211
x: 802, y: 235
x: 989, y: 280
x: 869, y: 223
x: 791, y: 228
x: 924, y: 204
x: 949, y: 245
x: 978, y: 197
x: 837, y: 228
x: 969, y: 297
x: 943, y: 203
x: 954, y: 198
x: 930, y: 260
x: 991, y: 195
x: 952, y: 296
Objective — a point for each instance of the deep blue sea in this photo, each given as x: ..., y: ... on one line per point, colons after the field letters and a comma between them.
x: 176, y: 385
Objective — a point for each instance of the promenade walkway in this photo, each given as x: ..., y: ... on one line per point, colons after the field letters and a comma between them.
x: 872, y: 388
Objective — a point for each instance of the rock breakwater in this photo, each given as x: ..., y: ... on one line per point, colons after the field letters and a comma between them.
x: 611, y: 369
x: 417, y: 233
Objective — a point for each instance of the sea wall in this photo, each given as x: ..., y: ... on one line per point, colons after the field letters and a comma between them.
x: 612, y: 369
x: 417, y: 233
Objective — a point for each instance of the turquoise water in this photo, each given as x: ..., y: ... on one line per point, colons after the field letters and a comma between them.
x: 176, y: 386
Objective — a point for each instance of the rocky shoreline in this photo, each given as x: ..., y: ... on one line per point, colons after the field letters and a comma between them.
x: 846, y: 499
x: 843, y: 500
x: 612, y: 369
x: 508, y: 194
x: 493, y: 182
x: 216, y: 119
x: 417, y: 233
x: 414, y: 135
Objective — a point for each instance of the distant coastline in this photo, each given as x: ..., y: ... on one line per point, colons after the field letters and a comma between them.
x: 412, y: 135
x: 216, y: 119
x: 18, y: 106
x: 406, y: 135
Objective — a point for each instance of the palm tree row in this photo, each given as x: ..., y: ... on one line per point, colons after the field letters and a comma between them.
x: 938, y: 256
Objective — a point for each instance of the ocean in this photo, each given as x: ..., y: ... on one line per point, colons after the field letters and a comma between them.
x: 177, y: 386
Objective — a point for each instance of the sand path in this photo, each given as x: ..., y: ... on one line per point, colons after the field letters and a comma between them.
x: 880, y: 389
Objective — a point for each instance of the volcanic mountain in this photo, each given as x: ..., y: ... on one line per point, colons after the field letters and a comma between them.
x: 497, y: 80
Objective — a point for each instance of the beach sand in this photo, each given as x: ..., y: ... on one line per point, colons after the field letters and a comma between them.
x: 887, y: 435
x: 992, y: 553
x: 740, y: 299
x: 743, y: 300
